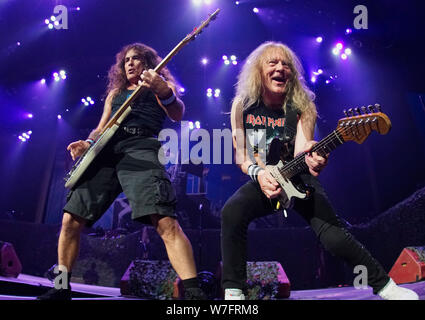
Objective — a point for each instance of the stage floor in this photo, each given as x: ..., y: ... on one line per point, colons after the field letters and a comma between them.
x: 27, y: 283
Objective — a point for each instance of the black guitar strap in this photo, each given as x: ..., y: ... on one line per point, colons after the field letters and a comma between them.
x: 291, y: 119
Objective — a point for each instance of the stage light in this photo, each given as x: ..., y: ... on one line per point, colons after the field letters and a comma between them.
x: 29, y: 132
x: 190, y: 125
x: 204, y: 61
x: 43, y: 81
x: 207, y: 1
x: 53, y: 18
x: 29, y: 115
x: 344, y: 56
x: 319, y: 39
x: 320, y: 71
x: 235, y: 62
x: 209, y: 92
x: 348, y: 31
x: 46, y: 21
x: 224, y: 57
x: 217, y: 93
x: 226, y: 62
x: 327, y: 81
x: 335, y: 51
x: 197, y: 124
x: 50, y: 26
x: 237, y: 2
x: 59, y: 116
x: 78, y: 8
x: 347, y: 51
x: 197, y: 2
x: 255, y: 10
x: 18, y: 43
x: 182, y: 90
x: 339, y: 46
x: 313, y: 79
x: 232, y: 57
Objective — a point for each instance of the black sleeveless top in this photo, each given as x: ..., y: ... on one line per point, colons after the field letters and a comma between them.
x: 264, y: 131
x: 145, y: 111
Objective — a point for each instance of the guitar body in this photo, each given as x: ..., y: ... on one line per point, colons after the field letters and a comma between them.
x: 291, y: 188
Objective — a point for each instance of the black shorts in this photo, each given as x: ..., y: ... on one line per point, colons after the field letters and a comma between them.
x: 127, y: 164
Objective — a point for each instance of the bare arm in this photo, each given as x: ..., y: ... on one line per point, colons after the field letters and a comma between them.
x: 304, y: 142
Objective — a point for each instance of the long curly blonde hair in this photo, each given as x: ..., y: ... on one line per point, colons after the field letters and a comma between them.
x: 249, y: 87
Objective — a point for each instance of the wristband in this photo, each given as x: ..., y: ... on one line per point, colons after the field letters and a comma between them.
x: 90, y: 141
x: 170, y: 100
x: 253, y: 171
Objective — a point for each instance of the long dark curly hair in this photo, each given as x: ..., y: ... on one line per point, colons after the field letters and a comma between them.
x: 117, y: 79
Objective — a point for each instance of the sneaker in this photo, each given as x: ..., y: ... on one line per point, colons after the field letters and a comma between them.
x: 194, y: 294
x: 56, y: 294
x: 391, y: 291
x: 233, y: 294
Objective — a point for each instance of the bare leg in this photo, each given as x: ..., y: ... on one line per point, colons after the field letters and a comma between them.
x: 69, y: 240
x: 178, y: 246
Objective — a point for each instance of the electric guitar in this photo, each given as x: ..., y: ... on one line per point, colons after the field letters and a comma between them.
x: 113, y: 124
x: 356, y: 126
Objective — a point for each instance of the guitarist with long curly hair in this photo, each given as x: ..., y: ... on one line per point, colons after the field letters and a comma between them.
x: 273, y: 117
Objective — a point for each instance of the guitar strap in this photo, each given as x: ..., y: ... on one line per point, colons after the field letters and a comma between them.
x: 291, y: 118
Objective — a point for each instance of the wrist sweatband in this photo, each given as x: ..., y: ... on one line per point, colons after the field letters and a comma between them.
x: 169, y: 100
x: 253, y: 171
x: 90, y: 141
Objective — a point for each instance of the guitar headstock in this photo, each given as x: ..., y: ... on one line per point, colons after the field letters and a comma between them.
x: 191, y: 36
x: 360, y: 122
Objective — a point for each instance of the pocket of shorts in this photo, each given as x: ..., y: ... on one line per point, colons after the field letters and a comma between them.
x: 164, y: 190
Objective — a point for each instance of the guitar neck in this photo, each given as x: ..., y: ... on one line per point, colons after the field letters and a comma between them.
x: 323, y: 147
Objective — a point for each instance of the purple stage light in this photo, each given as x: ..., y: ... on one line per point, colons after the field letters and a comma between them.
x: 335, y: 51
x: 53, y: 18
x: 59, y: 116
x: 204, y: 61
x: 313, y: 79
x: 344, y: 56
x: 29, y: 115
x: 43, y: 81
x: 327, y: 81
x: 255, y: 10
x: 190, y: 125
x: 224, y: 57
x: 50, y: 26
x: 348, y: 31
x: 320, y: 71
x: 197, y: 125
x: 319, y: 39
x: 234, y: 62
x: 232, y: 57
x: 182, y: 90
x: 237, y: 2
x: 46, y: 21
x: 339, y: 46
x: 347, y: 51
x: 226, y: 62
x: 217, y: 93
x: 78, y: 8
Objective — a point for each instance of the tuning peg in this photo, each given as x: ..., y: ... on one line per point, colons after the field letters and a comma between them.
x: 350, y: 112
x: 345, y: 112
x: 378, y: 107
x: 357, y: 110
x: 364, y: 110
x: 370, y: 108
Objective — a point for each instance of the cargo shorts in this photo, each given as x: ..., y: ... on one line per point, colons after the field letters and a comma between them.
x: 126, y: 164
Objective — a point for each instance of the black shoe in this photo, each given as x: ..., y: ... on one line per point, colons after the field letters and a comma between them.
x: 56, y: 294
x: 194, y: 294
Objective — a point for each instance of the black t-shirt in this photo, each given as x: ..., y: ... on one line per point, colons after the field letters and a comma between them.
x: 264, y: 130
x: 145, y: 111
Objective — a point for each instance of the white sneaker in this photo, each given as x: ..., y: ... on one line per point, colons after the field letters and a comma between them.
x: 391, y: 291
x: 233, y: 294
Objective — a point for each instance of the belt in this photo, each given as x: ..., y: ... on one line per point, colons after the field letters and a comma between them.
x: 138, y: 131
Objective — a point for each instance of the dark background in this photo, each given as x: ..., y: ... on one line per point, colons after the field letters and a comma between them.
x: 386, y: 67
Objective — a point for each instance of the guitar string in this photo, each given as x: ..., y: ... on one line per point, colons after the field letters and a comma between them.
x: 299, y: 160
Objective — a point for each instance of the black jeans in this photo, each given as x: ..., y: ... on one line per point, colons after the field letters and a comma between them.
x: 249, y: 203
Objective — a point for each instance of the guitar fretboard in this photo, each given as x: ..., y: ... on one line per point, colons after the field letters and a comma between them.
x: 323, y: 147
